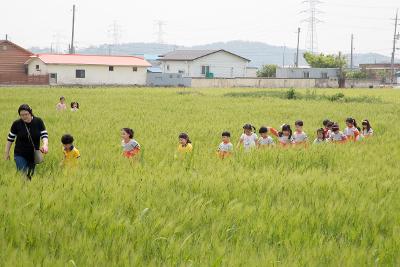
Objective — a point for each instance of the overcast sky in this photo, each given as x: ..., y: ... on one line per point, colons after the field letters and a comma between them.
x: 42, y: 22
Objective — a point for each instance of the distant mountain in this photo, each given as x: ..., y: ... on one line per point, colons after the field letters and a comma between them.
x: 259, y: 53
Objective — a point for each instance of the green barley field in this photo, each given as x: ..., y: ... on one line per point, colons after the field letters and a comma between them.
x: 328, y: 205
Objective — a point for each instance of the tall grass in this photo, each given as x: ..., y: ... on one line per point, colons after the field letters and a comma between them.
x: 330, y: 205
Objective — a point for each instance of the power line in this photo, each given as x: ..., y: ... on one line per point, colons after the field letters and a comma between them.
x: 312, y: 20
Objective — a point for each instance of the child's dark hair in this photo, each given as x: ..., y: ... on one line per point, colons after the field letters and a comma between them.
x: 62, y: 97
x: 286, y: 127
x: 263, y: 129
x: 366, y: 123
x: 227, y: 134
x: 129, y: 131
x: 329, y: 124
x: 352, y: 121
x: 25, y: 107
x: 186, y: 137
x: 321, y: 130
x: 335, y: 127
x: 67, y: 139
x: 299, y: 123
x: 73, y: 103
x: 250, y: 127
x: 325, y: 122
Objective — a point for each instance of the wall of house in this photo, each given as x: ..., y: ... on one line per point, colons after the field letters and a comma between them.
x: 251, y: 72
x: 94, y: 74
x: 298, y: 73
x: 12, y: 59
x: 168, y: 80
x: 222, y: 65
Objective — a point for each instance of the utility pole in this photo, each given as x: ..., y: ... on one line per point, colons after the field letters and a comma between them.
x: 297, y: 51
x: 283, y: 56
x: 351, y: 53
x: 395, y: 37
x: 6, y: 37
x: 72, y: 48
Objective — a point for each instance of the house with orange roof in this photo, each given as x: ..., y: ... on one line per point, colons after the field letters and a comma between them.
x: 76, y: 69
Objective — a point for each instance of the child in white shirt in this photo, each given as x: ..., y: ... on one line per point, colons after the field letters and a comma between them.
x: 248, y: 138
x: 265, y: 140
x: 366, y: 128
x: 225, y: 149
x: 299, y: 137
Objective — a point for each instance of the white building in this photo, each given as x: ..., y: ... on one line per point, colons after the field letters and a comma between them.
x: 205, y: 63
x: 307, y: 73
x: 89, y: 69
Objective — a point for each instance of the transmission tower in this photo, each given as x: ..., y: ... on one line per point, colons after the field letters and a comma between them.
x: 160, y: 32
x: 114, y: 32
x: 312, y: 21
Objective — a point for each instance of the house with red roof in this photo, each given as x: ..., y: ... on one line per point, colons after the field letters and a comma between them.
x: 75, y: 69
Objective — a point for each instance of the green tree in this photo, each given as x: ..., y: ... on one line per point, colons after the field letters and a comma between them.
x: 267, y: 71
x: 325, y: 61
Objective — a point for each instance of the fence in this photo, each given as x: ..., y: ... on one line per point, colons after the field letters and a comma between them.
x: 280, y: 83
x: 22, y: 79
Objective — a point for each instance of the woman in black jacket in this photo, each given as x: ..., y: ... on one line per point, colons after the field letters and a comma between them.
x: 26, y: 143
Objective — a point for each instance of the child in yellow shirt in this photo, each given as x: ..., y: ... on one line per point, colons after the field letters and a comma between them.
x: 71, y: 153
x: 185, y: 145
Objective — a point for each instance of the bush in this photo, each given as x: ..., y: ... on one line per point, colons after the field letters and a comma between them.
x: 291, y: 94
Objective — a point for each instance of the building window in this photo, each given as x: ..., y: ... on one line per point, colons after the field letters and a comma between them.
x: 134, y: 69
x: 324, y: 75
x: 37, y: 67
x: 181, y: 71
x: 80, y: 74
x: 205, y: 69
x: 53, y: 75
x: 306, y: 75
x: 111, y: 68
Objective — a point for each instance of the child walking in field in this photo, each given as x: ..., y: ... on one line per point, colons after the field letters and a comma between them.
x: 71, y: 153
x: 366, y: 128
x: 248, y: 139
x: 265, y: 140
x: 299, y: 136
x: 61, y: 106
x: 130, y: 146
x: 320, y: 137
x: 336, y: 136
x: 352, y: 131
x: 74, y: 106
x: 285, y: 136
x: 225, y: 149
x: 327, y: 127
x: 185, y: 145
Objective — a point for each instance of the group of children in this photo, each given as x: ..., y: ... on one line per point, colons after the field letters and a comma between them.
x: 330, y: 133
x: 61, y: 106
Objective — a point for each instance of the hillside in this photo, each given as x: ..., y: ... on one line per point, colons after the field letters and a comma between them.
x: 259, y: 53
